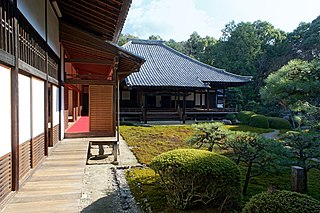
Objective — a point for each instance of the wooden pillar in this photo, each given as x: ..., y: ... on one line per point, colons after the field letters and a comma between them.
x: 145, y: 108
x: 297, y: 179
x: 116, y: 147
x: 201, y: 99
x: 224, y: 99
x: 15, y: 105
x: 208, y: 100
x: 184, y: 109
x: 46, y: 120
x: 60, y: 78
x: 175, y: 101
x: 51, y: 115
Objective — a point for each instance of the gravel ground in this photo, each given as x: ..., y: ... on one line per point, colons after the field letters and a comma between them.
x: 272, y: 135
x: 104, y: 187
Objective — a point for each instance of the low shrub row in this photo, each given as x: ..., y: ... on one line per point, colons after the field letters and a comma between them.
x: 261, y: 121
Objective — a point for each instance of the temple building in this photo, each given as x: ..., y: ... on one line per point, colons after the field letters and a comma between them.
x: 173, y: 85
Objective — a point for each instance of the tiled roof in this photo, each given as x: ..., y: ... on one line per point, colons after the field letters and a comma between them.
x: 166, y: 67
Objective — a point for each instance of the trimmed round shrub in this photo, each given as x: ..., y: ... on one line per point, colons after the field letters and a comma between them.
x: 194, y: 177
x: 279, y: 123
x: 245, y: 116
x: 259, y: 121
x: 282, y: 201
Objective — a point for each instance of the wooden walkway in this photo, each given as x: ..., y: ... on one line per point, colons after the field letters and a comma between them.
x: 56, y: 185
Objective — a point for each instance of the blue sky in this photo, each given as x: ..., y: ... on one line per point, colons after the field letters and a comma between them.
x: 177, y: 19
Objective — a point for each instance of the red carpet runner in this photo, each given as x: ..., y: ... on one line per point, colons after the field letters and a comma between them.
x: 82, y: 125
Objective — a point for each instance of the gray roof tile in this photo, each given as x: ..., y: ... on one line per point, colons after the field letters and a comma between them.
x: 166, y: 67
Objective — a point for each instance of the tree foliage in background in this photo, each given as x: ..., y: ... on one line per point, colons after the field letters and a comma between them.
x: 247, y: 49
x: 304, y: 41
x: 123, y: 38
x: 295, y: 88
x: 155, y: 37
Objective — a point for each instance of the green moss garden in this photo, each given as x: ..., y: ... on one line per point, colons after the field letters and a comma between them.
x: 182, y: 179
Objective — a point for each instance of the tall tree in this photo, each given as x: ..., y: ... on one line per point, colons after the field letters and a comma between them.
x: 295, y: 88
x: 247, y: 48
x: 179, y: 46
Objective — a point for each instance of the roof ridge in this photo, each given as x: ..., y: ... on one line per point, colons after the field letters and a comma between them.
x: 145, y: 41
x: 206, y: 65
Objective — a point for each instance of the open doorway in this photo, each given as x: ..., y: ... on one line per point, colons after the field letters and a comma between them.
x: 85, y: 101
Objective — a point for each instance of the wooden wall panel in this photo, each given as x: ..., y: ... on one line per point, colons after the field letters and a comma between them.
x: 66, y: 108
x: 24, y: 159
x: 5, y: 176
x: 56, y: 134
x: 37, y: 149
x: 66, y: 119
x: 101, y: 108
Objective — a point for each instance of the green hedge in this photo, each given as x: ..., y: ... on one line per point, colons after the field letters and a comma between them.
x: 194, y: 177
x: 282, y: 201
x: 259, y: 121
x: 231, y: 117
x: 279, y: 123
x: 245, y: 116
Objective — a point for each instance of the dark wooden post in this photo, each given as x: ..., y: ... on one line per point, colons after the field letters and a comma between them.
x: 201, y: 99
x: 184, y: 109
x: 224, y: 99
x: 50, y: 102
x: 208, y: 101
x: 61, y: 94
x: 297, y: 179
x: 145, y: 108
x: 15, y: 104
x: 46, y: 99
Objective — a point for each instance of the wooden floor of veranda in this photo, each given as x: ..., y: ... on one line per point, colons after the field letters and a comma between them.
x: 56, y: 185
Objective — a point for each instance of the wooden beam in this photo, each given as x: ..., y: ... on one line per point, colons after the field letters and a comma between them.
x: 80, y: 37
x: 15, y: 106
x: 53, y: 81
x: 89, y: 82
x: 122, y: 17
x: 7, y: 58
x: 88, y: 61
x: 31, y: 70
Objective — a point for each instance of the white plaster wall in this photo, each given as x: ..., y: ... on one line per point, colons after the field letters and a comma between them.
x: 37, y: 106
x: 203, y: 99
x: 34, y: 11
x: 197, y: 99
x: 55, y: 105
x: 53, y: 30
x: 24, y: 109
x: 62, y: 113
x: 5, y: 110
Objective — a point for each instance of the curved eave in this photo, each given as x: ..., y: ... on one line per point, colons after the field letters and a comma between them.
x: 167, y: 88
